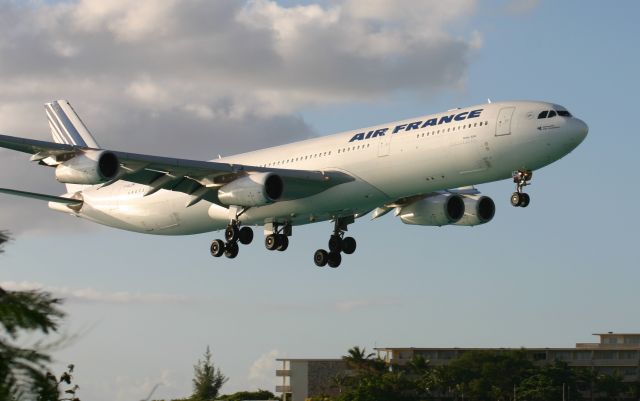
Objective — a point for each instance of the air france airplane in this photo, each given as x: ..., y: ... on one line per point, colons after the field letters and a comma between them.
x: 423, y: 169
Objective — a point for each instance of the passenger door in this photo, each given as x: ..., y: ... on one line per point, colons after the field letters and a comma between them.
x: 503, y: 125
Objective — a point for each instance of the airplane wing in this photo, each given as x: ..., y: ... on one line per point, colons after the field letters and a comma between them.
x: 201, y: 179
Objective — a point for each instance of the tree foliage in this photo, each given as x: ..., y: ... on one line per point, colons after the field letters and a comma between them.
x: 24, y: 374
x: 207, y: 380
x: 249, y: 395
x: 474, y: 375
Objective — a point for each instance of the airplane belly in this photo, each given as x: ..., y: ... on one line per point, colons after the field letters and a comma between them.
x: 356, y: 197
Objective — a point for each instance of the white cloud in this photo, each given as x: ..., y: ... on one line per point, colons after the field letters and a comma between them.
x: 196, y: 78
x: 262, y: 370
x: 91, y: 295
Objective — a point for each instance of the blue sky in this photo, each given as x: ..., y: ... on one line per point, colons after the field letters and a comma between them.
x: 146, y: 307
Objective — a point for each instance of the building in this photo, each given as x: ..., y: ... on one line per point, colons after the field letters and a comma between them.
x: 614, y: 353
x: 303, y: 378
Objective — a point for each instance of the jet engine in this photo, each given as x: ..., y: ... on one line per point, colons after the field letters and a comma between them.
x: 88, y: 168
x: 437, y: 210
x: 477, y: 210
x: 252, y: 190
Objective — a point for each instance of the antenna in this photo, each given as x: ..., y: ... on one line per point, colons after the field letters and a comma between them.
x: 488, y: 100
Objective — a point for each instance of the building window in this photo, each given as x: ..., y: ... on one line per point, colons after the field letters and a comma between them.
x: 628, y: 354
x: 604, y: 355
x: 539, y: 356
x: 582, y: 355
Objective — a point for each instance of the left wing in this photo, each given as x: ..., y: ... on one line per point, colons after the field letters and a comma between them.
x: 201, y: 179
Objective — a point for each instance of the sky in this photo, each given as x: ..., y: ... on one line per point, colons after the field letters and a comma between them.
x: 196, y: 79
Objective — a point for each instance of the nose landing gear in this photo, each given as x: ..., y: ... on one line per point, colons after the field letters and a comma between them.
x: 338, y: 244
x: 522, y: 178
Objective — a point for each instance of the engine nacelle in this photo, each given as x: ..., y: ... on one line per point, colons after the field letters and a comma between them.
x: 89, y: 168
x: 252, y: 190
x: 438, y: 210
x: 477, y: 210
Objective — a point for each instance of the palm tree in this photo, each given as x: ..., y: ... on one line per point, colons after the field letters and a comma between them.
x: 23, y: 374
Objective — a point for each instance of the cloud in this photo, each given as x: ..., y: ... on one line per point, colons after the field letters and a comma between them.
x: 261, y: 372
x: 196, y: 78
x: 91, y: 295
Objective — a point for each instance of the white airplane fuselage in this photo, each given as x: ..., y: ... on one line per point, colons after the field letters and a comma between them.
x: 396, y: 160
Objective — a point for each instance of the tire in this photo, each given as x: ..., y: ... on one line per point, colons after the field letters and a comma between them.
x: 320, y: 258
x: 348, y: 245
x: 231, y: 250
x: 217, y: 248
x: 515, y: 199
x: 245, y: 236
x: 283, y: 243
x: 334, y: 259
x: 271, y: 242
x: 335, y: 244
x: 524, y: 200
x: 231, y: 233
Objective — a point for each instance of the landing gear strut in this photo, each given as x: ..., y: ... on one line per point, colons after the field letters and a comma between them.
x: 522, y: 178
x: 338, y: 244
x: 232, y: 234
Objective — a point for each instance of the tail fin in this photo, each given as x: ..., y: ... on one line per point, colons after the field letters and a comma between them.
x: 66, y: 126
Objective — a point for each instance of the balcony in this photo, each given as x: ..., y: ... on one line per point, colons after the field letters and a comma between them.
x: 283, y: 389
x: 283, y: 372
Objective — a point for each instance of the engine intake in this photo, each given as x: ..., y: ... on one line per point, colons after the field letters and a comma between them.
x: 89, y: 168
x: 252, y: 190
x: 438, y: 210
x: 477, y: 210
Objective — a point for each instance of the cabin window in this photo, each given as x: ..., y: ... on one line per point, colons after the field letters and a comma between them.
x: 564, y: 113
x: 552, y: 113
x: 543, y: 114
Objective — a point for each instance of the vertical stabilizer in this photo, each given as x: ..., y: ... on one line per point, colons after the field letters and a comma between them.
x: 66, y: 126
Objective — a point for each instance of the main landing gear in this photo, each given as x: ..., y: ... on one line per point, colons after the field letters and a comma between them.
x: 233, y: 234
x: 278, y: 240
x: 521, y: 178
x: 337, y: 243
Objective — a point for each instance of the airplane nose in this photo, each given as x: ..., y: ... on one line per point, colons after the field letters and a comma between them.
x: 581, y: 129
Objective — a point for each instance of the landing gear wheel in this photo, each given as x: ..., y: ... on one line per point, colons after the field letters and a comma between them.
x: 335, y: 244
x: 231, y: 233
x: 245, y: 236
x: 334, y: 259
x: 524, y: 200
x: 271, y: 242
x: 217, y: 248
x: 348, y: 245
x: 516, y: 199
x: 231, y: 250
x: 320, y: 258
x: 283, y: 243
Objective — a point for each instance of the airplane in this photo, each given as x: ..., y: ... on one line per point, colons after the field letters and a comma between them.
x: 424, y: 169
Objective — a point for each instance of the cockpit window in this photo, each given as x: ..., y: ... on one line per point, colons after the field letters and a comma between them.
x: 543, y: 114
x: 552, y: 113
x: 564, y: 113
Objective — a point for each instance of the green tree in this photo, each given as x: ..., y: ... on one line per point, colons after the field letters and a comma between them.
x: 207, y: 380
x: 23, y: 370
x: 610, y: 386
x: 249, y: 395
x: 486, y: 375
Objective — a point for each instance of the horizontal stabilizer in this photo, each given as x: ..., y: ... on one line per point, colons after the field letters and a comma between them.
x: 49, y: 198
